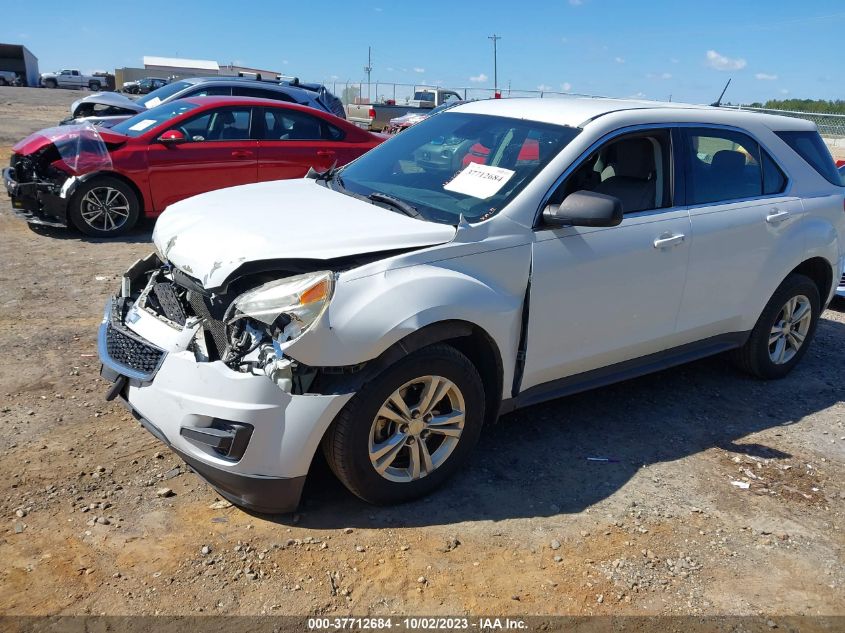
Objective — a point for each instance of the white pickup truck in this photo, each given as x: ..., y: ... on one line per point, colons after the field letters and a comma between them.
x: 376, y: 116
x: 71, y: 78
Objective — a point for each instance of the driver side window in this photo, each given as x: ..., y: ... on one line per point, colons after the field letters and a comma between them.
x: 635, y: 168
x: 230, y: 124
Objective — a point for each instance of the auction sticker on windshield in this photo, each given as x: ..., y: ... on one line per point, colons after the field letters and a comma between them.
x: 479, y: 181
x: 142, y: 125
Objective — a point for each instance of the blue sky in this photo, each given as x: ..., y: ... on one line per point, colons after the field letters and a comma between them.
x: 652, y: 49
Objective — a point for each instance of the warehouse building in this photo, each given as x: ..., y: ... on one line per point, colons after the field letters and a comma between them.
x: 180, y: 68
x: 17, y: 59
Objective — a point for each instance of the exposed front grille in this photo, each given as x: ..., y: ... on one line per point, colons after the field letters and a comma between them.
x: 131, y: 352
x: 124, y: 351
x: 215, y: 327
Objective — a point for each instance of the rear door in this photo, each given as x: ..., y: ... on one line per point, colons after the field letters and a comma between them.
x: 742, y: 216
x: 293, y: 141
x: 220, y: 152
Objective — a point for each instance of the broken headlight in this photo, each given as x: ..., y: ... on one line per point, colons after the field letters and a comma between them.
x: 261, y: 320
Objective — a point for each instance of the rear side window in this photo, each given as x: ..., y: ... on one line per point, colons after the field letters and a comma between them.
x: 722, y: 166
x: 262, y: 94
x: 291, y: 125
x: 774, y: 180
x: 811, y: 147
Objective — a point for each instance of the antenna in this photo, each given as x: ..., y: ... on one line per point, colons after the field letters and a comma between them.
x: 718, y: 101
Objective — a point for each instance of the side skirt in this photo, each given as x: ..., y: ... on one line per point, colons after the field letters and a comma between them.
x: 625, y: 370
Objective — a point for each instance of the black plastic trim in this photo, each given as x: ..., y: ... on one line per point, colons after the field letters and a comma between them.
x: 626, y: 370
x: 267, y: 495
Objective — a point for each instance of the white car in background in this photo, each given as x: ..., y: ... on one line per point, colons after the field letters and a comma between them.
x: 497, y: 255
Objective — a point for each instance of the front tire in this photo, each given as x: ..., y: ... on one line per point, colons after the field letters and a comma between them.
x: 784, y: 330
x: 51, y: 83
x: 104, y: 207
x: 410, y: 428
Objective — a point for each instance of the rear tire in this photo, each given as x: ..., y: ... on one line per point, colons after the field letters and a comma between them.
x: 784, y: 330
x: 438, y: 436
x: 3, y: 82
x: 94, y: 86
x: 104, y: 207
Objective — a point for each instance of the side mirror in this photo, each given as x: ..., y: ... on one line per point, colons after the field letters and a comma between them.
x: 584, y: 208
x: 172, y: 137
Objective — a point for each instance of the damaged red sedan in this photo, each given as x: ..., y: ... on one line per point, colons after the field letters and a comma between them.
x: 102, y: 181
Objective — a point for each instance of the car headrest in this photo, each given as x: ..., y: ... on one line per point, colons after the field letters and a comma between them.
x: 227, y: 118
x: 727, y: 160
x: 633, y: 158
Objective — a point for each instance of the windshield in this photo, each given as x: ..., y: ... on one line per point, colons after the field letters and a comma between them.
x: 424, y: 96
x: 141, y: 123
x: 165, y: 92
x: 458, y: 163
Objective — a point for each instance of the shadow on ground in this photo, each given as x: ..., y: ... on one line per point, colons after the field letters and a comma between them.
x: 534, y: 462
x: 138, y: 235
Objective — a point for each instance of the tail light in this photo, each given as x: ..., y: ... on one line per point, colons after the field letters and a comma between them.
x: 372, y: 113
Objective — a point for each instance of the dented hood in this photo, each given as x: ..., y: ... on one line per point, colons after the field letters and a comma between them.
x: 110, y: 99
x: 213, y: 234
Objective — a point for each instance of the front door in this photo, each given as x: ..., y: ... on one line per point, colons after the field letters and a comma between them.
x: 219, y: 153
x: 604, y: 295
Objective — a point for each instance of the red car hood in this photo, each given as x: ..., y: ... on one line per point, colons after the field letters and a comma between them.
x: 80, y: 148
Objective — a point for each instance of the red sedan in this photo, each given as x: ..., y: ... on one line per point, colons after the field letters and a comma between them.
x: 103, y: 180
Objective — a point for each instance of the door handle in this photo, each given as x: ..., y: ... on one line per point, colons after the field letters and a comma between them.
x: 325, y: 153
x: 667, y: 240
x: 241, y: 153
x: 776, y: 217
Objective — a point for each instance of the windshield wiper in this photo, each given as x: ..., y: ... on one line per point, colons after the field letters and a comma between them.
x: 408, y: 209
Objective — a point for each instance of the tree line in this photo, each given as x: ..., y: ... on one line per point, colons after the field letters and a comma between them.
x: 820, y: 106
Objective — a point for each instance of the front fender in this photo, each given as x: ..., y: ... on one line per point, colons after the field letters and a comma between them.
x: 369, y: 314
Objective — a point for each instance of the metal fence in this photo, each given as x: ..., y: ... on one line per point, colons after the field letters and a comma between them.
x: 380, y: 92
x: 830, y: 125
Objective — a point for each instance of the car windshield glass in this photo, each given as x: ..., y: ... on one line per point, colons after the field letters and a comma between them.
x: 165, y: 92
x: 144, y: 122
x: 456, y: 163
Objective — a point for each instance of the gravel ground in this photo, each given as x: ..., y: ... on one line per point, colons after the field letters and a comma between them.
x: 720, y: 494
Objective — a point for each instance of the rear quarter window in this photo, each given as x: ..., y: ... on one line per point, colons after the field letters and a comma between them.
x: 811, y: 147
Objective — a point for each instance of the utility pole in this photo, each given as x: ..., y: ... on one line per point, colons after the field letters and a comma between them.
x: 495, y: 39
x: 369, y: 69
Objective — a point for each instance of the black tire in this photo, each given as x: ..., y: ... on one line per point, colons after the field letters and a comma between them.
x: 3, y: 82
x: 346, y: 444
x: 79, y: 204
x: 754, y: 357
x: 51, y: 83
x: 94, y: 86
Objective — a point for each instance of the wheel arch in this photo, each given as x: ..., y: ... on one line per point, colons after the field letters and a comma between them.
x: 820, y: 271
x: 86, y: 178
x: 468, y: 338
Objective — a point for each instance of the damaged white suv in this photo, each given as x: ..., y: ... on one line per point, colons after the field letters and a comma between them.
x: 497, y: 255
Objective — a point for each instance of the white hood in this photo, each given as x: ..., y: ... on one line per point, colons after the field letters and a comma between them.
x: 211, y: 235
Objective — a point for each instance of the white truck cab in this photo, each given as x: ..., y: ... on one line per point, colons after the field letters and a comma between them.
x: 498, y: 255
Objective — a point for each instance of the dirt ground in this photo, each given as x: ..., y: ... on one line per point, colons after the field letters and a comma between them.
x: 716, y: 493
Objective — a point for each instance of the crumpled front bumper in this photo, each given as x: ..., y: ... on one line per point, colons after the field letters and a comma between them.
x: 31, y: 202
x: 187, y: 404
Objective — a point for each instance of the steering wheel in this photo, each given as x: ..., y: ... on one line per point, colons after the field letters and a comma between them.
x: 184, y: 130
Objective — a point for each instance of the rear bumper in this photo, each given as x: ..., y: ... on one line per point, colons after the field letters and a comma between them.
x: 34, y: 203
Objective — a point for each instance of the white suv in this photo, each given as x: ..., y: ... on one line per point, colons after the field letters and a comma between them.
x: 494, y: 256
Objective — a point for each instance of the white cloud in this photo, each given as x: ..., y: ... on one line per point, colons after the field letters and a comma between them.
x: 544, y: 88
x: 619, y: 60
x: 285, y: 62
x: 417, y: 69
x: 566, y: 86
x: 334, y: 77
x: 666, y: 76
x: 479, y: 78
x: 722, y: 62
x: 377, y: 9
x: 638, y: 95
x: 784, y: 91
x: 675, y: 60
x: 765, y: 76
